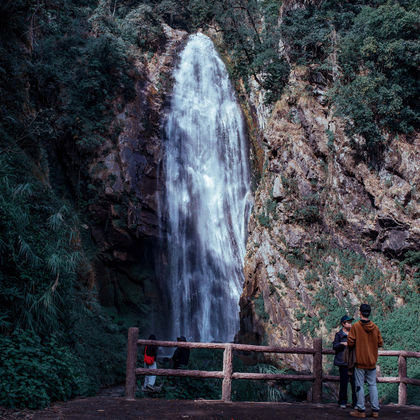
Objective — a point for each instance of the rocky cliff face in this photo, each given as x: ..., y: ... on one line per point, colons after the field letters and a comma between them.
x: 126, y: 173
x: 329, y: 226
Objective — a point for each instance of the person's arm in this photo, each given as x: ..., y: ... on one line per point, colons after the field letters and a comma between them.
x: 176, y: 356
x: 380, y: 339
x: 351, y: 338
x: 152, y: 351
x: 337, y: 344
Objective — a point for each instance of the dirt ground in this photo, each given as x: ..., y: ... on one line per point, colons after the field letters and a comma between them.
x: 116, y: 408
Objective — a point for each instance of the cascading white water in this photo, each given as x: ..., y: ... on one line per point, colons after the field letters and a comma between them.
x: 207, y: 201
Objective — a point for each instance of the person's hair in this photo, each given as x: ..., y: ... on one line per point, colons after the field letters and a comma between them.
x: 365, y: 309
x: 152, y: 337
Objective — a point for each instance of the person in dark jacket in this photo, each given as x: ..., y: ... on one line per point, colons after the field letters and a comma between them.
x: 150, y: 353
x: 181, y: 355
x: 339, y: 345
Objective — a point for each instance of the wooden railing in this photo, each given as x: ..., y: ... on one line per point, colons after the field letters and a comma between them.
x: 317, y: 376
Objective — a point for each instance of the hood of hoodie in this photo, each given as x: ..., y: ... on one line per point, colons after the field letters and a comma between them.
x: 368, y: 326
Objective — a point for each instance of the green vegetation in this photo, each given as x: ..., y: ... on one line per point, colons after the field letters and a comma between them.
x: 270, y: 209
x: 295, y: 257
x: 397, y: 328
x: 397, y: 323
x: 56, y: 342
x: 307, y: 214
x: 251, y: 35
x: 260, y: 308
x: 58, y: 85
x: 379, y: 59
x: 369, y: 49
x: 34, y: 373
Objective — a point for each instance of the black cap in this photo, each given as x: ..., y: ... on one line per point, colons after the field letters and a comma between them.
x: 181, y: 338
x: 346, y: 318
x: 365, y: 309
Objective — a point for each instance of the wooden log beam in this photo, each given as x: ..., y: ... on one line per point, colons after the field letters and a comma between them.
x: 130, y: 376
x: 272, y: 376
x: 404, y: 353
x: 331, y: 378
x: 227, y: 371
x: 381, y: 379
x: 184, y: 344
x: 264, y: 349
x: 273, y: 349
x: 238, y: 347
x: 317, y: 371
x: 180, y: 372
x: 259, y: 376
x: 402, y: 374
x: 410, y: 381
x: 385, y: 353
x: 388, y: 379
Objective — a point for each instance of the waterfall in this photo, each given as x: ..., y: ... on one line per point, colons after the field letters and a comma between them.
x: 205, y: 210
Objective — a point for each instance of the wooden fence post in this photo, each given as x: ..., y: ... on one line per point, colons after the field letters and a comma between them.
x: 317, y: 371
x: 402, y: 375
x: 130, y: 374
x: 227, y: 372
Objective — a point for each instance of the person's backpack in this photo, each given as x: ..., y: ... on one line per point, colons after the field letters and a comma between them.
x: 149, y: 360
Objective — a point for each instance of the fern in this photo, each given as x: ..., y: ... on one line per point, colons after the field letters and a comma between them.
x: 23, y: 190
x: 25, y: 251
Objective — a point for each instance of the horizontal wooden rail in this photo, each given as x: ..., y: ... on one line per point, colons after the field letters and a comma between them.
x: 386, y: 353
x: 380, y: 379
x: 227, y: 375
x: 403, y: 353
x: 180, y: 372
x: 272, y: 376
x: 222, y: 346
x: 185, y: 344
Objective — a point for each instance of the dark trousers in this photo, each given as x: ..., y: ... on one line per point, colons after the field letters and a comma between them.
x: 344, y: 380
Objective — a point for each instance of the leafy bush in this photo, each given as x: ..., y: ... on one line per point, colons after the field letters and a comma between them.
x: 379, y: 59
x: 32, y: 373
x: 39, y: 249
x: 142, y: 27
x: 378, y: 49
x: 100, y: 344
x: 308, y: 35
x: 307, y: 214
x: 397, y: 329
x: 295, y: 257
x: 264, y: 219
x: 89, y: 73
x: 251, y: 36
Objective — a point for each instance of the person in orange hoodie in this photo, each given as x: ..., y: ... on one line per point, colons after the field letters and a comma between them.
x: 366, y: 338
